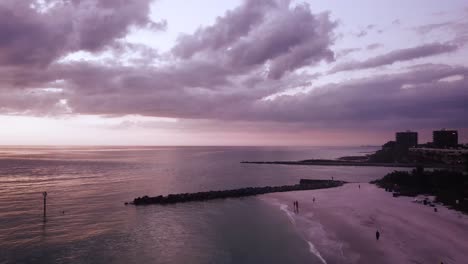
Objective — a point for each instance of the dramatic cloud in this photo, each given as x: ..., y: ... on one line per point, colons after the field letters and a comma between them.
x: 397, y: 56
x: 256, y: 63
x: 264, y: 33
x: 227, y: 29
x: 34, y: 34
x: 419, y: 98
x: 416, y: 98
x: 249, y: 53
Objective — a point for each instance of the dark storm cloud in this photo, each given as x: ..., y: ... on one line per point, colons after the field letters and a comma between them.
x: 397, y: 56
x: 29, y: 36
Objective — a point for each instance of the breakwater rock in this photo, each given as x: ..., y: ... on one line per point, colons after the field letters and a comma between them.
x: 242, y: 192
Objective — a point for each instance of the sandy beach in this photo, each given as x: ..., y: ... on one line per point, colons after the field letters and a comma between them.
x: 340, y: 226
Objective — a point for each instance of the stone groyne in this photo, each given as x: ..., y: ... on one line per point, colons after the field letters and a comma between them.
x: 305, y: 184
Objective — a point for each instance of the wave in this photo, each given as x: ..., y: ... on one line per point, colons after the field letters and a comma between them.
x: 314, y: 251
x: 291, y: 216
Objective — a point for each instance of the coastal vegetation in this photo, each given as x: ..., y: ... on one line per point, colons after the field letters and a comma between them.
x: 450, y: 187
x: 391, y: 153
x: 350, y: 161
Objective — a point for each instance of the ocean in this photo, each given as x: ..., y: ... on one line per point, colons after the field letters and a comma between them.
x: 87, y: 221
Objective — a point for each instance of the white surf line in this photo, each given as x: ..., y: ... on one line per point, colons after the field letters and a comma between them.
x: 314, y: 251
x: 312, y: 248
x: 284, y: 208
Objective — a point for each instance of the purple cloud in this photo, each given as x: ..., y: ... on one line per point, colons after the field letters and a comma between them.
x: 361, y: 34
x: 397, y: 56
x: 374, y: 46
x: 267, y: 33
x: 380, y: 101
x: 221, y: 72
x: 31, y: 37
x: 430, y: 27
x: 227, y: 29
x: 414, y: 98
x: 458, y: 27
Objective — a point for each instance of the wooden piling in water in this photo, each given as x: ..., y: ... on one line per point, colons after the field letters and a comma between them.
x: 44, y: 194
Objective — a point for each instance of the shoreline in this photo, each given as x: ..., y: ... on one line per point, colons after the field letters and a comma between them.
x: 341, y: 226
x: 349, y: 163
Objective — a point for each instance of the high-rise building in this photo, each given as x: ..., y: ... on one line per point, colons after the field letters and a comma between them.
x: 445, y: 138
x: 407, y: 139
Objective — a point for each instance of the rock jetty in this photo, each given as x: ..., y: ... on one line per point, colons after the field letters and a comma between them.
x: 304, y: 184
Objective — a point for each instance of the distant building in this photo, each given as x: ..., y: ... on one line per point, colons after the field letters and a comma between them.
x: 407, y: 139
x: 445, y: 138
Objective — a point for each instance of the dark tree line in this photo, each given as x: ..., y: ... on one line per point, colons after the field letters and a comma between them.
x: 450, y: 187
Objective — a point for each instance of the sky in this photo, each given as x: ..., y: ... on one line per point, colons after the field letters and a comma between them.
x: 231, y: 72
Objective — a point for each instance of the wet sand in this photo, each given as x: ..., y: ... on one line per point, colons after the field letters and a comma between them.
x: 340, y: 226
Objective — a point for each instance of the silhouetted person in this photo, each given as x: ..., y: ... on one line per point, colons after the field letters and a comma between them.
x: 313, y: 199
x: 297, y: 206
x: 359, y: 186
x: 377, y: 235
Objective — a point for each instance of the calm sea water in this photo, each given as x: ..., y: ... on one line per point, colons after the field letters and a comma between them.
x: 88, y: 222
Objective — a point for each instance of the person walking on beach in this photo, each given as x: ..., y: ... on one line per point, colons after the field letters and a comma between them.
x: 313, y: 199
x: 377, y: 235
